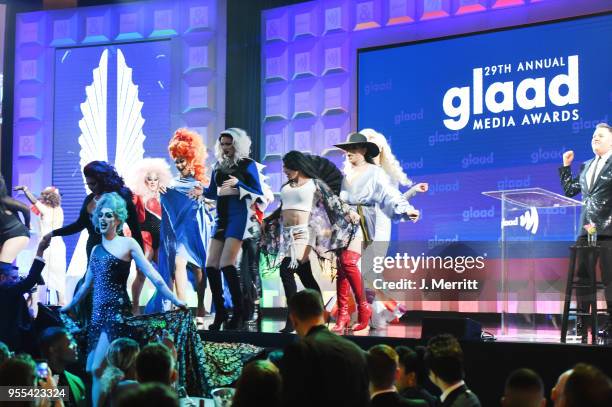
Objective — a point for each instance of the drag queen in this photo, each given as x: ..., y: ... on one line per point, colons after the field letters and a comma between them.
x: 107, y: 274
x: 386, y: 310
x: 369, y: 191
x: 235, y: 184
x: 14, y: 234
x: 310, y: 217
x: 100, y: 177
x: 186, y: 223
x: 48, y: 207
x: 150, y: 177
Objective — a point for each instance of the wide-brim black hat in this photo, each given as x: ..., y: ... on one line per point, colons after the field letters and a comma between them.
x: 359, y: 140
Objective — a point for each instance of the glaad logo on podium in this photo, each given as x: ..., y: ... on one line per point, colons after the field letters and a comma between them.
x: 528, y: 221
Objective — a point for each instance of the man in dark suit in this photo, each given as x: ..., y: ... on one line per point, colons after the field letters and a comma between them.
x: 413, y: 375
x: 444, y: 359
x: 383, y: 368
x: 321, y: 369
x: 595, y: 184
x: 15, y: 319
x: 60, y: 350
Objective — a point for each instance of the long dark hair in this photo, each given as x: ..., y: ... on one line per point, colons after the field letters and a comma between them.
x: 107, y: 177
x: 298, y: 161
x: 314, y: 166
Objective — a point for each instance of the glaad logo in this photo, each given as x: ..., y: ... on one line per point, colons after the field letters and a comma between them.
x: 472, y: 213
x: 529, y: 221
x: 374, y: 87
x: 530, y: 93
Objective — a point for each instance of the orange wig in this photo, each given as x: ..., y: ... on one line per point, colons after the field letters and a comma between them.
x: 189, y: 145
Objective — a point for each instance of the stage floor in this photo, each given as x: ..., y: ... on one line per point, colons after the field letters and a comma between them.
x: 540, y: 329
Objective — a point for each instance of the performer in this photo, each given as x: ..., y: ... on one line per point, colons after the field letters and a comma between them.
x: 311, y: 217
x: 595, y: 184
x: 14, y: 234
x: 239, y: 180
x: 386, y: 310
x: 248, y: 265
x: 48, y: 207
x: 366, y: 188
x: 186, y: 223
x: 100, y: 177
x: 107, y: 274
x: 150, y: 177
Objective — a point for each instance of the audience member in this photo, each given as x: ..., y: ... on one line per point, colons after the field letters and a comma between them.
x: 321, y: 369
x: 60, y: 350
x: 383, y: 370
x: 413, y: 375
x: 524, y: 388
x: 587, y: 386
x: 15, y: 319
x: 260, y: 380
x: 20, y: 371
x: 444, y: 359
x: 5, y: 352
x: 155, y: 363
x: 149, y: 395
x: 119, y: 370
x: 557, y: 393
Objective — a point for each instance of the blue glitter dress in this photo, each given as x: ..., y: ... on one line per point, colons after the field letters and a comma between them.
x: 111, y: 304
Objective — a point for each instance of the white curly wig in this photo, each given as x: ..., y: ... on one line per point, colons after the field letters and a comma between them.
x: 135, y: 180
x: 387, y: 160
x: 242, y: 146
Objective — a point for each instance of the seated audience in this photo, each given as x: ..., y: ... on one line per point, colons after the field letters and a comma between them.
x: 119, y: 370
x: 259, y: 381
x: 383, y: 370
x: 557, y: 393
x: 15, y: 318
x: 524, y: 388
x: 149, y: 395
x: 587, y: 386
x: 322, y: 368
x: 60, y: 350
x: 413, y: 375
x: 444, y: 359
x: 155, y: 363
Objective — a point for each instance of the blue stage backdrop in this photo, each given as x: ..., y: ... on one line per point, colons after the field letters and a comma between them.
x: 150, y: 63
x: 487, y: 111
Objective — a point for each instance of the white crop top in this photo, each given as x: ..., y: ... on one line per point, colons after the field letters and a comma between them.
x: 298, y: 198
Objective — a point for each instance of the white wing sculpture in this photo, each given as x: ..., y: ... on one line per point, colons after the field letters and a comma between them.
x: 130, y: 138
x: 93, y: 147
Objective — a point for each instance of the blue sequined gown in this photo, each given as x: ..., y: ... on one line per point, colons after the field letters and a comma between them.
x: 111, y: 304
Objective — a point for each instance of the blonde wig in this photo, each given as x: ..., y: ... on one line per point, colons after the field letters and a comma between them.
x: 242, y: 147
x: 136, y: 179
x: 387, y: 160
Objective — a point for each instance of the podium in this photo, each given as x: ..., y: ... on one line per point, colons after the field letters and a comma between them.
x: 537, y: 229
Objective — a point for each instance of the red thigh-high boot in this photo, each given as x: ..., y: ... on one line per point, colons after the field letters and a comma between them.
x: 349, y: 260
x: 343, y: 319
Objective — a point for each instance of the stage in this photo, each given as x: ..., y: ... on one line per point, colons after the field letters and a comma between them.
x: 487, y: 363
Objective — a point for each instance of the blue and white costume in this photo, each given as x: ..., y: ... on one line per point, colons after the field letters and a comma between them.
x: 185, y: 231
x: 234, y: 212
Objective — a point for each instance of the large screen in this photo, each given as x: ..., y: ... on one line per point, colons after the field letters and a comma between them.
x: 100, y: 94
x: 487, y: 111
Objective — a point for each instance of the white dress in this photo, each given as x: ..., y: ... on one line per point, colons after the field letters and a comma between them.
x: 381, y: 202
x: 54, y: 272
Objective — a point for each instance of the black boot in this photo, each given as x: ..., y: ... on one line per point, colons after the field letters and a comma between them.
x: 305, y: 273
x: 216, y: 288
x: 286, y: 275
x: 236, y: 322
